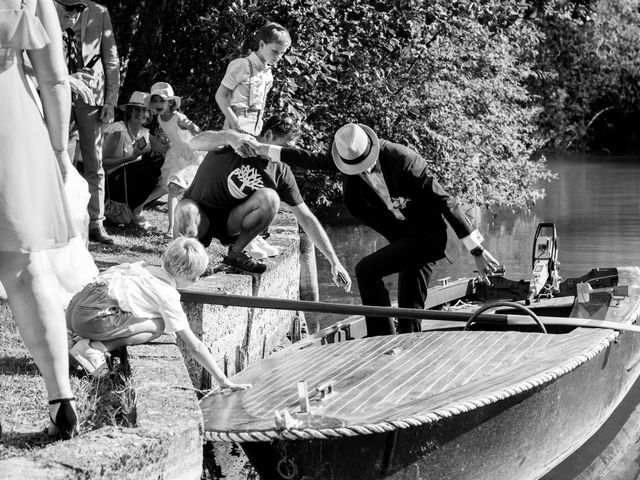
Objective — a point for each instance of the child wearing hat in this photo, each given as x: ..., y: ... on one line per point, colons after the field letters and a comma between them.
x: 243, y: 91
x: 134, y: 303
x: 180, y: 162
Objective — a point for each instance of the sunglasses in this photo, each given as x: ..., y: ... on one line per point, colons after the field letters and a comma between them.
x: 286, y: 124
x: 72, y: 8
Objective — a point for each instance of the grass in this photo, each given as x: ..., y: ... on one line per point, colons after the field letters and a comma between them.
x: 106, y: 401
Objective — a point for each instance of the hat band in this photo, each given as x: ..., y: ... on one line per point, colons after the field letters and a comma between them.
x: 359, y: 158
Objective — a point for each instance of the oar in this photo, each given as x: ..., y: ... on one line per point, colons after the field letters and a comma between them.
x: 373, y: 311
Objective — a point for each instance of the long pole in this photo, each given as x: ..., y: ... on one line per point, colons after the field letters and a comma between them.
x: 373, y: 311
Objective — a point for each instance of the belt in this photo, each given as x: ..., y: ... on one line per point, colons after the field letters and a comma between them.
x: 245, y: 110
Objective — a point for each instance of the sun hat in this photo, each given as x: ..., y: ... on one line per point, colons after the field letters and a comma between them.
x: 164, y: 90
x: 355, y: 148
x: 71, y: 3
x: 137, y: 99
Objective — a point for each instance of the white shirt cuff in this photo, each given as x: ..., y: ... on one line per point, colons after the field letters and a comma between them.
x: 473, y: 240
x: 274, y: 153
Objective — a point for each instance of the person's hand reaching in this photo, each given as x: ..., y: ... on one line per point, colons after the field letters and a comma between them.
x: 341, y: 277
x: 486, y: 264
x: 79, y: 83
x: 234, y: 386
x: 246, y: 146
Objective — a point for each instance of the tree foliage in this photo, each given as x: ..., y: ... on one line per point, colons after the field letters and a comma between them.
x: 592, y: 49
x: 468, y: 84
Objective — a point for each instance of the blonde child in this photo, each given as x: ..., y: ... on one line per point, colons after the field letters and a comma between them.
x: 134, y: 303
x: 180, y: 162
x: 243, y: 91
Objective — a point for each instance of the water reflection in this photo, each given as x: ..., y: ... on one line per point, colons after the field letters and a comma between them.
x: 595, y: 204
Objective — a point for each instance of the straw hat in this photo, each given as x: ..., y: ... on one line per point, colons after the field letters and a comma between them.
x: 355, y: 148
x: 137, y: 99
x: 71, y: 3
x: 164, y: 90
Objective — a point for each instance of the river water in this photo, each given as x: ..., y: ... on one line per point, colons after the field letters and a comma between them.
x: 595, y: 205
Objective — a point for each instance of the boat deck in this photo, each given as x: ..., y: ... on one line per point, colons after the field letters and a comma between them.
x: 379, y: 379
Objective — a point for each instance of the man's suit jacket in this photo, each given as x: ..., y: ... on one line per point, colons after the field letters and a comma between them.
x: 424, y: 204
x: 96, y: 38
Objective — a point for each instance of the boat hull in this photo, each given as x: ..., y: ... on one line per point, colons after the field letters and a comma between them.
x: 523, y: 436
x: 444, y: 403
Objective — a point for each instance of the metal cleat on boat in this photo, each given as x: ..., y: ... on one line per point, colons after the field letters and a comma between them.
x: 325, y: 389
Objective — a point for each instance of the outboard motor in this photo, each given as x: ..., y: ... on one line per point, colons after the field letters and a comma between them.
x: 545, y: 277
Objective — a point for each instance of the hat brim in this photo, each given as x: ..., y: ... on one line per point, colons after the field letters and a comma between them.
x: 124, y: 106
x: 73, y: 4
x: 175, y: 98
x: 365, y: 164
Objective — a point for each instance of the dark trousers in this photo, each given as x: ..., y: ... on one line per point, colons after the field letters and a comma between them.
x: 413, y: 258
x: 86, y: 119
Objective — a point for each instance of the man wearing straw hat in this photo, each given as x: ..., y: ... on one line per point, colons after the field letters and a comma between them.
x: 388, y: 187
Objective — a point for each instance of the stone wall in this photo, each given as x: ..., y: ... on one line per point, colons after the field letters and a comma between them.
x: 238, y: 336
x: 167, y: 440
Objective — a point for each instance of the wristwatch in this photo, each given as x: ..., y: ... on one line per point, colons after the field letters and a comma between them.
x: 476, y: 251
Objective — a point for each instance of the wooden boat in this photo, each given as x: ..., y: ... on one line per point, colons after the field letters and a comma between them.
x: 496, y: 401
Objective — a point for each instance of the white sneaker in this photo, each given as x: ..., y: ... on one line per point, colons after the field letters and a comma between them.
x: 255, y: 251
x: 270, y: 250
x: 91, y: 356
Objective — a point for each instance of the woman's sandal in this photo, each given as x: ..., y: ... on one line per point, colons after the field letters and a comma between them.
x: 65, y: 424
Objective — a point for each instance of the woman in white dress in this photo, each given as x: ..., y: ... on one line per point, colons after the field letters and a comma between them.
x: 34, y: 214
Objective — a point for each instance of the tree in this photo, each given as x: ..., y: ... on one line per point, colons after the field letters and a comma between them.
x: 591, y: 101
x: 448, y: 78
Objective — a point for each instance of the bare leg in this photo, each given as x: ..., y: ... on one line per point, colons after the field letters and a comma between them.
x: 132, y: 340
x: 39, y: 316
x: 189, y: 220
x: 172, y: 201
x: 142, y: 332
x: 250, y: 218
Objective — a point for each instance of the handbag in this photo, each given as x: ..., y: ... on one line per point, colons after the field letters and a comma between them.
x: 119, y: 212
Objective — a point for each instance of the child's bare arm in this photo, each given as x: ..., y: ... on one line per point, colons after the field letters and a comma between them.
x: 223, y: 99
x: 203, y: 356
x: 185, y: 124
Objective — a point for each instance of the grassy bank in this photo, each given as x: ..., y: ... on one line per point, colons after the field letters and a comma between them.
x: 106, y: 401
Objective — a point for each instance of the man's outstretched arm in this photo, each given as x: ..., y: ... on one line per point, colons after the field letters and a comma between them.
x: 319, y: 237
x: 215, y: 139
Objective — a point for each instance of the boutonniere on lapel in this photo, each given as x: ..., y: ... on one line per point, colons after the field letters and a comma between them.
x: 399, y: 203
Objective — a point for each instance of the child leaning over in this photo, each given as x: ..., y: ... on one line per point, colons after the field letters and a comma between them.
x: 134, y: 303
x: 242, y: 93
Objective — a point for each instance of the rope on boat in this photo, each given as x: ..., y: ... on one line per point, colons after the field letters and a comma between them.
x: 418, y: 420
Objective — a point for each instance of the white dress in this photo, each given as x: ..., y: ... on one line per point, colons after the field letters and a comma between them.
x: 34, y: 213
x: 180, y: 162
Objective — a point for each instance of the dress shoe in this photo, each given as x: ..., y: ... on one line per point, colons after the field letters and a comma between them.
x: 65, y: 423
x: 100, y: 235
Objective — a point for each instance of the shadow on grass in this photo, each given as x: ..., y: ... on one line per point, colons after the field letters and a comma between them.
x: 18, y: 366
x: 14, y: 444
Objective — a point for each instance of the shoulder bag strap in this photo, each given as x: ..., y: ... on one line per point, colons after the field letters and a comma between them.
x: 250, y: 84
